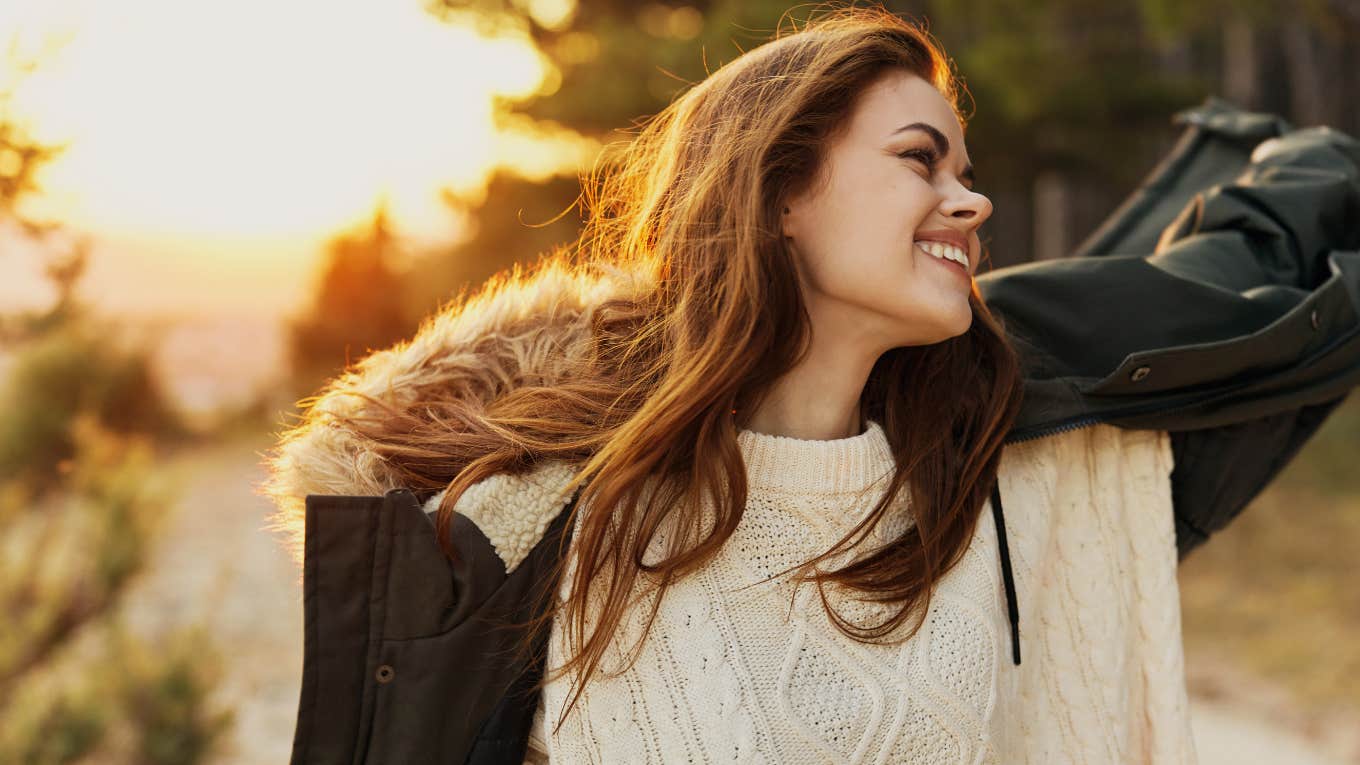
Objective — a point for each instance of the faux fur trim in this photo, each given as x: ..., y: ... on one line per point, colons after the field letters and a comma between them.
x: 520, y: 329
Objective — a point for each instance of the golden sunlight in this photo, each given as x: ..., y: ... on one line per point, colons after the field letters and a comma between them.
x: 261, y: 121
x: 261, y: 117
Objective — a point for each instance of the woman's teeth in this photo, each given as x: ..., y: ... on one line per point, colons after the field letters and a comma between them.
x: 946, y: 251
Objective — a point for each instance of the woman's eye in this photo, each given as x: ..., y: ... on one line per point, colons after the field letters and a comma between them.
x: 924, y: 157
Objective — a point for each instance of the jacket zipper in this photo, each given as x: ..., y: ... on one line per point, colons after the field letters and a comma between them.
x: 1033, y: 433
x: 1086, y: 420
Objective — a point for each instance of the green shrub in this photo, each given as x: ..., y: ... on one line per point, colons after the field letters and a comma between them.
x: 76, y: 368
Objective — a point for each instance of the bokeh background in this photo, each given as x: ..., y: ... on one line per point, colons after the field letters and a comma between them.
x: 206, y: 209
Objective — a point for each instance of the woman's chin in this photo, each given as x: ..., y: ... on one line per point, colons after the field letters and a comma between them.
x: 963, y: 325
x: 945, y: 328
x: 958, y: 324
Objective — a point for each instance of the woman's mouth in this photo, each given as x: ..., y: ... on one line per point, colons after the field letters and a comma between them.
x: 948, y: 255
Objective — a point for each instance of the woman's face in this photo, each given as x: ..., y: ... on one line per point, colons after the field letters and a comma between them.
x: 897, y: 185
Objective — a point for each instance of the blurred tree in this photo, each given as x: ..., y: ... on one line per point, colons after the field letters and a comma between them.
x: 21, y: 154
x: 359, y: 304
x: 65, y: 369
x: 80, y: 504
x: 515, y: 221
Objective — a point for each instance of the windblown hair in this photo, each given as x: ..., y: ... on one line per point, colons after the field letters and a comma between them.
x: 648, y: 407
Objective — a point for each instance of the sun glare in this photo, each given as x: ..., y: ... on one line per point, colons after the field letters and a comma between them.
x: 257, y: 117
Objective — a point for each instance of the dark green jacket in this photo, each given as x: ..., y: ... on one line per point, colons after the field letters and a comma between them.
x: 1219, y: 303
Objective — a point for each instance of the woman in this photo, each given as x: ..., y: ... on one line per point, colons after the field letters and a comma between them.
x: 769, y: 359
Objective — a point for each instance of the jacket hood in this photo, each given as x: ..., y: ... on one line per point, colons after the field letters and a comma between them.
x: 519, y: 329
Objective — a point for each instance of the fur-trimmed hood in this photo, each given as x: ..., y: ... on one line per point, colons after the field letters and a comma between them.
x: 519, y: 329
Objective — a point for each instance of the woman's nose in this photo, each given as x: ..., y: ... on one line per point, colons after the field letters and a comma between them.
x: 968, y: 205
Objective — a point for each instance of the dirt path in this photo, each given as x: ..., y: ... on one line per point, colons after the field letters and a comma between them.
x: 216, y: 563
x: 1226, y: 735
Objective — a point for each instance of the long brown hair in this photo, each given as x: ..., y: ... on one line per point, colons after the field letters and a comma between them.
x: 649, y: 411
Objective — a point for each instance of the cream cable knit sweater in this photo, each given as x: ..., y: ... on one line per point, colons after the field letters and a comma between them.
x: 736, y: 675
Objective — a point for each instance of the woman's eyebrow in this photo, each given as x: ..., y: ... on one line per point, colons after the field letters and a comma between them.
x: 941, y: 143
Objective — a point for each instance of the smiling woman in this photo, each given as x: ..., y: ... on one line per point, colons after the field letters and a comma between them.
x: 791, y: 361
x: 763, y: 365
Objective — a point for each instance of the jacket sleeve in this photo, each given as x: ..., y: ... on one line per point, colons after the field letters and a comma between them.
x: 1207, y: 494
x: 1268, y: 235
x: 1239, y: 257
x: 1250, y: 291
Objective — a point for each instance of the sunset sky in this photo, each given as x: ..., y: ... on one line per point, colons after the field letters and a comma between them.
x: 214, y: 146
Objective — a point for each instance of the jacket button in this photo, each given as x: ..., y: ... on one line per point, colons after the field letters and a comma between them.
x: 385, y: 673
x: 1313, y: 318
x: 1139, y: 373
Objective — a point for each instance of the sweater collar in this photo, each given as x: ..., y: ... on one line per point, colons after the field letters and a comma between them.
x: 812, y: 466
x: 850, y: 465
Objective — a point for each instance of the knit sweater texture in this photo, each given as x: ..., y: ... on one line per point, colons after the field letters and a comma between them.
x: 738, y: 669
